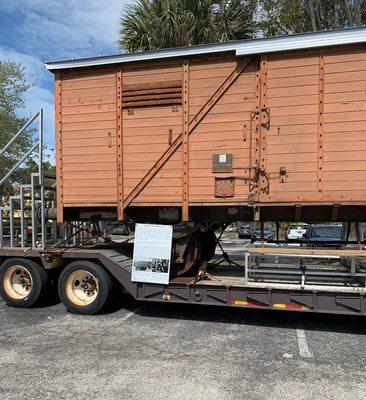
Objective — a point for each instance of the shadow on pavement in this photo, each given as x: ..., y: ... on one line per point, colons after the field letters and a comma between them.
x: 355, y: 325
x: 266, y: 318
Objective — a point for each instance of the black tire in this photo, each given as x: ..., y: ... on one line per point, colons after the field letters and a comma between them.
x: 39, y: 286
x: 103, y: 292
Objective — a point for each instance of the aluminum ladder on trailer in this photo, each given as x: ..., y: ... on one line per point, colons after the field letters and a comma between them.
x: 22, y: 221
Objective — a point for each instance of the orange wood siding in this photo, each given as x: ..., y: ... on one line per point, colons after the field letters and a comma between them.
x: 146, y: 133
x: 318, y: 113
x: 317, y: 116
x: 345, y: 126
x: 88, y: 134
x: 292, y: 141
x: 224, y: 130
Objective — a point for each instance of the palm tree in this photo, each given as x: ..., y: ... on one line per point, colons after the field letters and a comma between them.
x: 156, y: 24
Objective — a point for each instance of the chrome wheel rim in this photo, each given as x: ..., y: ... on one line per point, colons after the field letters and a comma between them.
x: 82, y: 288
x: 17, y: 282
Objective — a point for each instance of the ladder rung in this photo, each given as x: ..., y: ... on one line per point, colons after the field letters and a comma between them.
x: 49, y: 175
x: 30, y: 198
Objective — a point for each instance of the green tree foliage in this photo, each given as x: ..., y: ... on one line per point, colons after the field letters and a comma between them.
x: 155, y: 24
x: 13, y: 86
x: 296, y: 16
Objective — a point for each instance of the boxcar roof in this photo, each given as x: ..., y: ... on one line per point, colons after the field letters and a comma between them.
x: 240, y: 47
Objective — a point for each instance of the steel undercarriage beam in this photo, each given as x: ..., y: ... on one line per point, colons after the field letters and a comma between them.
x: 256, y: 298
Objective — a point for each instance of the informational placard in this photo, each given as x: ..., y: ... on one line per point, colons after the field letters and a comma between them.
x: 152, y: 253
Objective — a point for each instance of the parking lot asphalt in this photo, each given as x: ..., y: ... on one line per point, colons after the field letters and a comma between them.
x: 166, y: 351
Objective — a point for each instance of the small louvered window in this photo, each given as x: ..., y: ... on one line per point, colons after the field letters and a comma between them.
x: 152, y: 94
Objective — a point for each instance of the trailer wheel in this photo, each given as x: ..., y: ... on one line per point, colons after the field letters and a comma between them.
x: 23, y: 283
x: 84, y: 287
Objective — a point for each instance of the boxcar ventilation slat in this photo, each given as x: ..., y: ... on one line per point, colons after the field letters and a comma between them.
x: 152, y: 94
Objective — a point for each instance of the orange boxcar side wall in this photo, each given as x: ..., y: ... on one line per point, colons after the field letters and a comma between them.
x: 225, y: 130
x: 317, y: 101
x: 317, y: 130
x: 145, y: 134
x: 88, y: 137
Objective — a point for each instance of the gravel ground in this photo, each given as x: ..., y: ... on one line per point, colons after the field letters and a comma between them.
x: 160, y: 351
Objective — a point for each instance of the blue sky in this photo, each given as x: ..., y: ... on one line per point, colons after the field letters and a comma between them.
x: 32, y: 31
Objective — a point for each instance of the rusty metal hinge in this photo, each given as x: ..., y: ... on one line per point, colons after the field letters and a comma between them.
x: 254, y: 180
x: 266, y: 118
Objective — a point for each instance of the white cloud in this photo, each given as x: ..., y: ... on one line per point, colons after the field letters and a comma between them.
x: 67, y: 28
x: 34, y: 68
x: 53, y: 30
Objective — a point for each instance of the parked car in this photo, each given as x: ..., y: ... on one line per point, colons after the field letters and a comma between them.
x: 295, y: 231
x: 267, y: 234
x: 245, y: 231
x: 323, y: 235
x: 231, y: 228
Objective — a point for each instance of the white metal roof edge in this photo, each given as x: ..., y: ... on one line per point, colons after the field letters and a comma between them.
x: 143, y: 56
x: 241, y: 48
x: 298, y: 42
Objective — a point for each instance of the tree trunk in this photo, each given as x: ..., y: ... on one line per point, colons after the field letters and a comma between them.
x: 312, y: 15
x: 336, y: 14
x: 348, y: 13
x: 318, y: 15
x: 357, y: 13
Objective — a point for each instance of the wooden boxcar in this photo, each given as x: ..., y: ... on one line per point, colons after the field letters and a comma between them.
x: 265, y: 129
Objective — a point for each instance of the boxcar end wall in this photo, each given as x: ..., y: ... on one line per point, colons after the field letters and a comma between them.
x: 279, y: 136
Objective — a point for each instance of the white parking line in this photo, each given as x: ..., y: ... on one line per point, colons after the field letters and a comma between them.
x: 129, y: 315
x: 303, y: 344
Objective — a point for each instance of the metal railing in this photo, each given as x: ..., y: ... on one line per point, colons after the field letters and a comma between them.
x: 38, y: 144
x: 32, y: 195
x: 303, y: 269
x: 24, y: 221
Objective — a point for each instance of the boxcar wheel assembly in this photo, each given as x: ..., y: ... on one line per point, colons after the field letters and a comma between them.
x: 84, y: 287
x: 23, y: 283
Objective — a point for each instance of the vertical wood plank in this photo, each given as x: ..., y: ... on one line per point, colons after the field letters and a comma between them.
x: 263, y: 117
x: 254, y: 195
x: 58, y: 145
x: 321, y: 126
x: 185, y: 142
x: 119, y: 144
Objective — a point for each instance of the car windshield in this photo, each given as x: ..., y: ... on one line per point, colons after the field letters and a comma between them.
x: 327, y: 231
x: 265, y: 229
x: 298, y: 227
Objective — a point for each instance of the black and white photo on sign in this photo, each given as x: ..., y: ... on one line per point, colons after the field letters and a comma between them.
x: 142, y: 265
x: 160, y: 265
x: 152, y: 253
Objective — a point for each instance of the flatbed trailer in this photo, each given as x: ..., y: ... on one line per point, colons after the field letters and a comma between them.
x: 220, y: 288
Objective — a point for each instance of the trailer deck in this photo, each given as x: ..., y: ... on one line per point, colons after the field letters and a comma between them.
x: 241, y: 285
